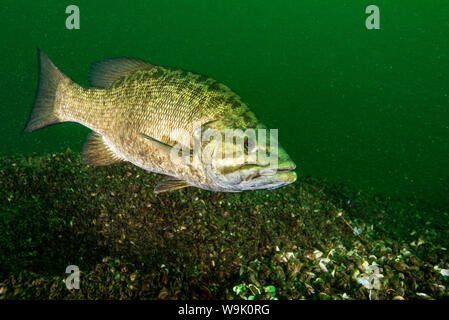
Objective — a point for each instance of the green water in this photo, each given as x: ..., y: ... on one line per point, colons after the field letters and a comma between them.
x: 368, y: 108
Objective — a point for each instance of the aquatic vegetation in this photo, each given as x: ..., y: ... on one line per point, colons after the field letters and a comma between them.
x: 297, y: 242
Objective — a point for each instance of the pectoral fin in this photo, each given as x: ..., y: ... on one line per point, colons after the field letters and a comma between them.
x: 161, y: 145
x: 166, y: 148
x: 97, y: 153
x: 169, y: 184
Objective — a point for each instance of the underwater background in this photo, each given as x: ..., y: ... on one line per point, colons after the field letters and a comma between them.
x: 359, y: 111
x: 364, y: 107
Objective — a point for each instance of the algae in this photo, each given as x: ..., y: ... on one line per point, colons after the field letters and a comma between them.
x: 309, y: 240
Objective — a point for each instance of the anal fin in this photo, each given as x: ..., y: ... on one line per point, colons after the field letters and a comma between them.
x: 97, y: 153
x: 169, y: 184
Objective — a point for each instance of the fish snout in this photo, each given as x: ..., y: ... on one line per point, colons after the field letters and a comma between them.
x: 281, y: 168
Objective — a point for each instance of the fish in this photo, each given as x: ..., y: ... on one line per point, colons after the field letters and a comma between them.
x: 163, y: 120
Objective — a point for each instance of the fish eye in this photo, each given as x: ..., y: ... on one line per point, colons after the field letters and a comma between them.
x: 248, y: 145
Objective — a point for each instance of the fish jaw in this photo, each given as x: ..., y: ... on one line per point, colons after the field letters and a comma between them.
x: 273, y: 178
x: 253, y: 177
x: 281, y: 179
x: 282, y: 174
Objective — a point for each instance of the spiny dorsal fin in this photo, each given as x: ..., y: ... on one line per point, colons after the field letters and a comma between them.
x: 169, y: 184
x: 97, y: 153
x: 104, y: 73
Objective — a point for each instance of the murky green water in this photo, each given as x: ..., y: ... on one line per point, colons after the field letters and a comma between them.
x: 363, y: 107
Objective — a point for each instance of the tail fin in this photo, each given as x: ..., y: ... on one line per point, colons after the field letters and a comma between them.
x: 43, y: 113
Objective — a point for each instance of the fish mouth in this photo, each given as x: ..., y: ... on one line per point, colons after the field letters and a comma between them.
x: 286, y: 169
x: 279, y: 178
x: 272, y: 177
x: 279, y: 170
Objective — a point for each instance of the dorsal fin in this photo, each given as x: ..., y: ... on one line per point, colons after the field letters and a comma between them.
x: 104, y: 73
x: 169, y: 184
x: 97, y: 153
